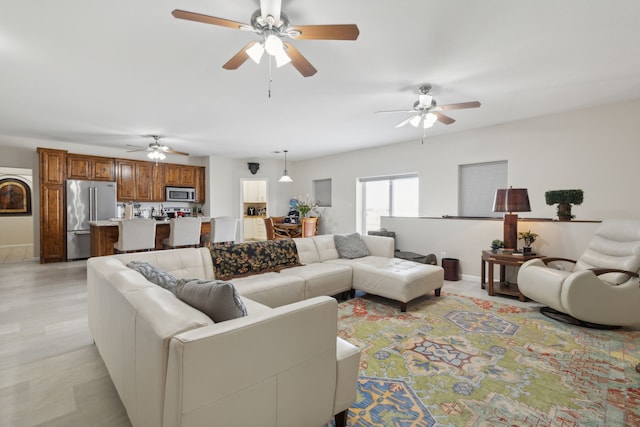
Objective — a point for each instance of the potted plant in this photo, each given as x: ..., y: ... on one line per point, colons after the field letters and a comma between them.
x: 528, y: 238
x: 496, y: 244
x: 305, y: 206
x: 565, y: 199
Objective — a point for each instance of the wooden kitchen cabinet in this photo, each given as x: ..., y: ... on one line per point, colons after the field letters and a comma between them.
x: 158, y: 182
x: 135, y: 181
x: 180, y: 175
x: 90, y: 168
x: 52, y: 221
x: 52, y: 166
x: 126, y: 180
x: 200, y: 185
x: 144, y: 181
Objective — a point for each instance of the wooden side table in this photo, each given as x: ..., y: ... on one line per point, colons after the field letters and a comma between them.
x: 489, y: 259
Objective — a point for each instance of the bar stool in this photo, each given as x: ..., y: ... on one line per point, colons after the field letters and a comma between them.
x: 135, y: 235
x: 223, y: 229
x: 183, y: 231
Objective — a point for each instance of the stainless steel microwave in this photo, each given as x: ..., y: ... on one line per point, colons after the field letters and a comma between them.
x: 181, y: 194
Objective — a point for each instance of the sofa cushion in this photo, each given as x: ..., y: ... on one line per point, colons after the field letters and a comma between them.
x: 307, y: 251
x: 217, y: 299
x: 326, y: 247
x: 154, y: 275
x: 245, y: 259
x: 351, y: 246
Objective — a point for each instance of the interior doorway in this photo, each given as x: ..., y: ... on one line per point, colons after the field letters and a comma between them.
x: 254, y: 208
x: 16, y: 228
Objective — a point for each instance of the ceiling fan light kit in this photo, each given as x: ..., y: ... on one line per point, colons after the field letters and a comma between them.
x: 156, y: 155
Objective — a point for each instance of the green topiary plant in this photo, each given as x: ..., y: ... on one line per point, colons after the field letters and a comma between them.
x: 497, y: 244
x: 564, y: 199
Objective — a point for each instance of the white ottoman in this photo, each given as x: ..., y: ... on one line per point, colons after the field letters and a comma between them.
x: 399, y: 280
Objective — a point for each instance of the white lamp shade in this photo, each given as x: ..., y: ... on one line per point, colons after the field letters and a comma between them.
x: 273, y: 45
x: 429, y: 120
x: 156, y: 155
x: 282, y: 59
x: 285, y: 178
x: 255, y: 52
x: 415, y: 121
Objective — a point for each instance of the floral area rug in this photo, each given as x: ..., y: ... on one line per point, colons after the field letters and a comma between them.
x: 459, y: 361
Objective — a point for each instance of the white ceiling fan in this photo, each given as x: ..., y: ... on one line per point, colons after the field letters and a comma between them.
x: 426, y: 110
x: 272, y: 25
x: 157, y: 151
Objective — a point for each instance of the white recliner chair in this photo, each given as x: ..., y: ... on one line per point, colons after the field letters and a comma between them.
x: 598, y: 290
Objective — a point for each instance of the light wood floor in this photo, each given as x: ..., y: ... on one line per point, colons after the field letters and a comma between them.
x: 50, y: 371
x: 17, y: 253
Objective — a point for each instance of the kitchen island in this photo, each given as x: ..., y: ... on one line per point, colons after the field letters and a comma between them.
x: 105, y: 233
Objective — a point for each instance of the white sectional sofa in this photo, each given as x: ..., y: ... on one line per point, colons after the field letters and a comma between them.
x: 281, y: 365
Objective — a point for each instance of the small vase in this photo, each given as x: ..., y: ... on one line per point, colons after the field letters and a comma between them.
x: 526, y: 250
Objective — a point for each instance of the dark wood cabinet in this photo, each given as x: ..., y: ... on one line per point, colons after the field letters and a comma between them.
x: 200, y: 185
x: 52, y: 209
x: 158, y: 182
x: 126, y: 180
x: 52, y: 166
x: 103, y: 169
x: 135, y: 181
x: 188, y: 176
x: 90, y: 168
x: 144, y: 181
x: 173, y: 174
x: 180, y: 175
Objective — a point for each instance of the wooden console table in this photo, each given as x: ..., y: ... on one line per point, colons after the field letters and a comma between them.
x: 502, y: 286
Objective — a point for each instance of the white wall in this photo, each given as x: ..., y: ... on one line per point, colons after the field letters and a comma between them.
x: 465, y: 239
x: 596, y: 150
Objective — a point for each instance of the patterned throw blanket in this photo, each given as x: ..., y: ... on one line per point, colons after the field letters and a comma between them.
x: 245, y: 259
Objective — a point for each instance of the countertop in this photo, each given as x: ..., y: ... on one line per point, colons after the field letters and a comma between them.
x: 114, y: 222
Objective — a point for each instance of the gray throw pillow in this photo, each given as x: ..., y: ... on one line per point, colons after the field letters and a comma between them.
x: 217, y: 299
x: 351, y: 246
x: 155, y: 275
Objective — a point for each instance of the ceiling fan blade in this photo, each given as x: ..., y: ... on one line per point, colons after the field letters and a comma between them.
x: 300, y: 62
x: 239, y: 58
x: 444, y: 119
x: 271, y: 7
x: 460, y: 106
x: 395, y: 111
x: 405, y: 121
x: 172, y: 151
x: 136, y: 148
x: 327, y: 32
x: 206, y: 19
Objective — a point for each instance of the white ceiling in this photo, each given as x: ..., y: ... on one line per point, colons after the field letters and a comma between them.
x: 107, y: 72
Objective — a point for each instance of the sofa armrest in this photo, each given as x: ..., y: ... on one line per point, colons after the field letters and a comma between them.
x: 379, y: 245
x: 276, y: 365
x: 599, y: 271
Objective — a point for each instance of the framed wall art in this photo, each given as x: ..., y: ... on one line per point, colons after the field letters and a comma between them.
x: 15, y: 197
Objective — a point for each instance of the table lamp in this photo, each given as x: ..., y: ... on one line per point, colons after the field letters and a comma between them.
x: 511, y: 200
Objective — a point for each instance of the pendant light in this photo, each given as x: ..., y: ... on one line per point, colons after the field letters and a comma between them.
x: 285, y: 176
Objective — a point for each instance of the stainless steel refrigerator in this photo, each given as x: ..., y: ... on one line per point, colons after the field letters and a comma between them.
x: 87, y: 201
